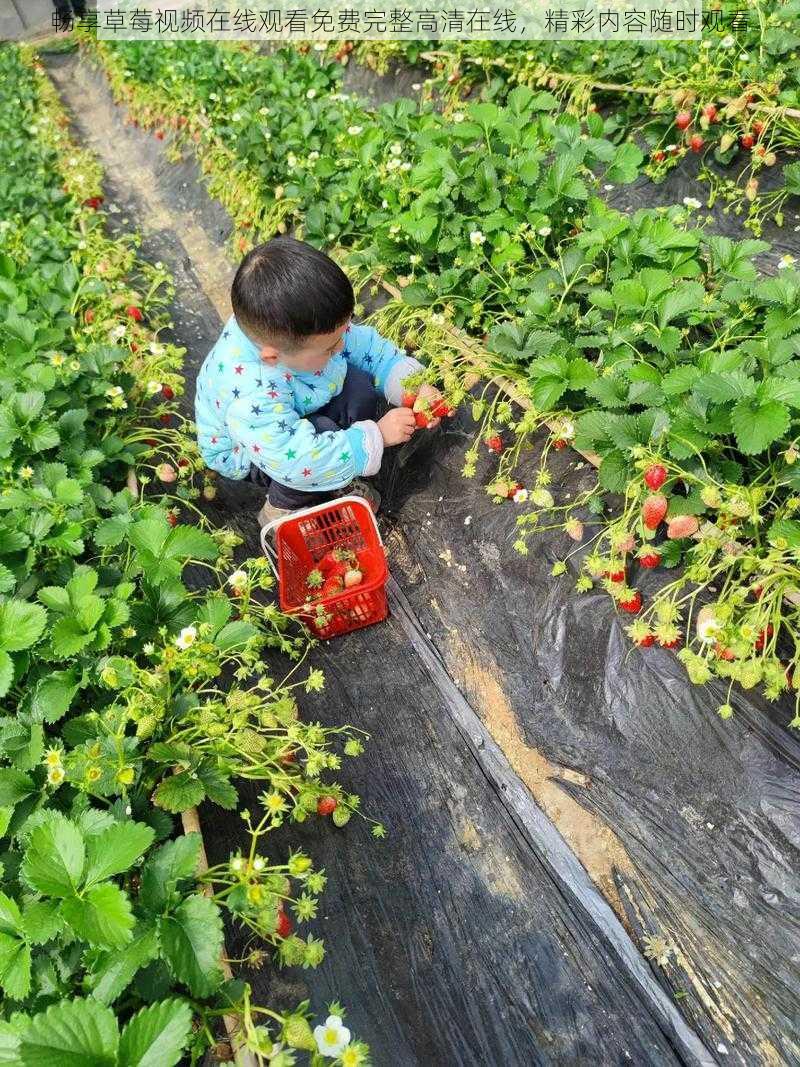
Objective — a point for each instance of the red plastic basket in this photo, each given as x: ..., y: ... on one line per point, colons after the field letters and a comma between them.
x: 302, y: 539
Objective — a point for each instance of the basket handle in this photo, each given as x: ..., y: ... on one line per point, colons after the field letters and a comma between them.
x: 267, y: 547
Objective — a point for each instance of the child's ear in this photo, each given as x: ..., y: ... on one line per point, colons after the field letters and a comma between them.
x: 269, y: 354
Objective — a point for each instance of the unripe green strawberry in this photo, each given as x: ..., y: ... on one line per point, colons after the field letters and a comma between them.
x: 250, y: 742
x: 146, y: 726
x: 297, y: 1033
x: 341, y: 816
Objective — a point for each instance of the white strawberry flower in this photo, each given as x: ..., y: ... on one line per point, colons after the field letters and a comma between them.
x: 258, y: 863
x: 153, y: 387
x: 384, y: 203
x: 291, y: 160
x: 263, y: 111
x: 332, y: 1038
x: 459, y: 116
x: 238, y: 579
x: 313, y: 156
x: 354, y: 131
x: 520, y: 496
x: 405, y: 166
x: 692, y: 203
x: 414, y: 260
x: 786, y: 261
x: 544, y: 231
x: 476, y: 238
x: 393, y: 163
x: 311, y: 94
x: 396, y: 148
x: 236, y: 117
x: 117, y: 333
x: 728, y: 41
x: 186, y: 638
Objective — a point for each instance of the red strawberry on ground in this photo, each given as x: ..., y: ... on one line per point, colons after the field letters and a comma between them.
x: 559, y: 443
x: 649, y: 559
x: 653, y: 510
x: 633, y: 604
x: 284, y: 927
x: 647, y: 641
x: 683, y: 120
x: 327, y: 805
x: 134, y: 313
x: 655, y: 476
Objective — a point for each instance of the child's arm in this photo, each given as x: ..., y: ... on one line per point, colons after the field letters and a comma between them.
x: 289, y: 448
x: 388, y: 365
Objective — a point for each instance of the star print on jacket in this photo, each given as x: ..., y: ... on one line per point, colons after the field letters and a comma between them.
x: 239, y: 408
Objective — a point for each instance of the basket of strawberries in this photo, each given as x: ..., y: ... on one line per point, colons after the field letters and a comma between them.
x: 331, y: 566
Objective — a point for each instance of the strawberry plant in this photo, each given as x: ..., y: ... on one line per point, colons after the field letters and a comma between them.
x: 114, y: 715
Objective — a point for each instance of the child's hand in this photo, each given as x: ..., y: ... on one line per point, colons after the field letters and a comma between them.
x: 427, y: 398
x: 397, y: 426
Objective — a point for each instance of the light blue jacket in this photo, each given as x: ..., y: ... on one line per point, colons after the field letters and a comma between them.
x: 248, y: 412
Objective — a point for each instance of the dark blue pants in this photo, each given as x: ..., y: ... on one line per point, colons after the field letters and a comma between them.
x: 357, y: 401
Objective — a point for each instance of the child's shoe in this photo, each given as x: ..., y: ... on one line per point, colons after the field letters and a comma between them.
x: 269, y: 513
x: 358, y: 487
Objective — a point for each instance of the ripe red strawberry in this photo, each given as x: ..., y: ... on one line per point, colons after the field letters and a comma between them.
x: 159, y: 135
x: 757, y: 591
x: 514, y: 488
x: 134, y: 347
x: 723, y: 652
x: 710, y: 112
x: 408, y: 400
x: 655, y: 476
x: 647, y: 641
x: 682, y: 526
x: 747, y: 141
x: 284, y: 927
x: 670, y: 644
x: 696, y: 142
x: 421, y: 419
x: 758, y: 127
x: 286, y: 758
x: 683, y: 120
x: 172, y: 519
x: 89, y: 317
x: 134, y: 313
x: 653, y: 510
x: 327, y: 805
x: 332, y: 586
x: 659, y: 157
x: 442, y: 410
x: 165, y: 418
x: 183, y: 462
x: 616, y: 576
x: 649, y: 559
x: 559, y: 443
x: 168, y: 392
x: 633, y: 604
x: 93, y: 202
x: 151, y: 441
x: 762, y: 637
x: 495, y: 444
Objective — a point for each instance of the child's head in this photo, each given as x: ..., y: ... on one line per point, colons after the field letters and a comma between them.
x: 294, y: 302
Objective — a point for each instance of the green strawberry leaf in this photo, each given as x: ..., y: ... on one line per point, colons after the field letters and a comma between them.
x: 115, y: 849
x: 758, y: 425
x: 73, y: 1033
x: 118, y: 967
x: 156, y: 1036
x: 102, y: 916
x: 175, y: 861
x: 21, y: 624
x: 191, y: 940
x: 178, y: 792
x: 54, y: 857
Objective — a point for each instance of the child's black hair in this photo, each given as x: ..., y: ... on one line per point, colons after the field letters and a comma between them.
x: 285, y: 291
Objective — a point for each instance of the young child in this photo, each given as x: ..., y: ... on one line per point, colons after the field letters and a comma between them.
x: 288, y: 395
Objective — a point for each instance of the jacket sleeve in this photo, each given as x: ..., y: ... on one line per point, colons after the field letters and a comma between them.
x: 290, y: 450
x: 365, y: 348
